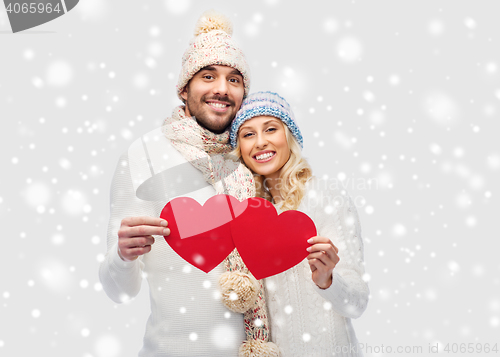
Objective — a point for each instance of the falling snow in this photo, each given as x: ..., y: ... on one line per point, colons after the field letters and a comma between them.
x: 400, y: 109
x: 349, y: 49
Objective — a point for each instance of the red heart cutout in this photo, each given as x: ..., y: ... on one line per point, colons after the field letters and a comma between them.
x: 205, y: 235
x: 270, y: 244
x: 201, y: 235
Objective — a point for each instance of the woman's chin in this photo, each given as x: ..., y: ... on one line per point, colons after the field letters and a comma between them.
x: 258, y: 170
x: 263, y: 171
x: 271, y: 175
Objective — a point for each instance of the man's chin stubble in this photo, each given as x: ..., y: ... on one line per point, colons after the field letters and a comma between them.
x: 215, y: 130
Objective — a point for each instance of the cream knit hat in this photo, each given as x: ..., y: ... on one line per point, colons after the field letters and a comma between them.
x: 212, y: 45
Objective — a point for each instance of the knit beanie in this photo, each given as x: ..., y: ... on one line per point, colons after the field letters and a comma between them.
x: 212, y: 45
x: 269, y: 104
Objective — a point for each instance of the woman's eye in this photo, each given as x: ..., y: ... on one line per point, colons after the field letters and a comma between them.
x: 247, y: 135
x: 271, y: 129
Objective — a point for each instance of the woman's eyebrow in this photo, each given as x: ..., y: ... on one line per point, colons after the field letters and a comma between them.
x: 270, y: 121
x: 245, y: 127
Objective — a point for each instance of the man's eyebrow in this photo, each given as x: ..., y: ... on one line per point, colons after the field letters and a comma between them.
x: 208, y: 68
x: 235, y: 71
x: 212, y: 68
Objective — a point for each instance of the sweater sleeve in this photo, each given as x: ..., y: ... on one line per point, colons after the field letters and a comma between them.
x: 121, y: 280
x: 348, y: 293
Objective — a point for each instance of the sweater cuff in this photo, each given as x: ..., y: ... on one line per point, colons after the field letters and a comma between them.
x: 118, y: 262
x: 334, y: 292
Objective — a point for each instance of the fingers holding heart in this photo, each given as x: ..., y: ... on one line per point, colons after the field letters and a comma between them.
x: 143, y: 226
x: 137, y: 251
x: 135, y: 235
x: 137, y: 242
x: 131, y: 248
x: 323, y: 250
x: 322, y: 260
x: 328, y: 259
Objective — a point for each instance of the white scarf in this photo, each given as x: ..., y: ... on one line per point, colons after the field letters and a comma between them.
x: 205, y: 151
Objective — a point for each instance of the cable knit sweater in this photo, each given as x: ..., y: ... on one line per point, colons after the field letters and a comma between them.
x: 187, y: 317
x: 309, y: 321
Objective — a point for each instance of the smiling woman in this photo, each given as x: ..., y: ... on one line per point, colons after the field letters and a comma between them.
x: 311, y: 304
x: 268, y: 140
x: 263, y: 145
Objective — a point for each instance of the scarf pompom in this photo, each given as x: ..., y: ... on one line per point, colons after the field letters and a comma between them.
x: 238, y: 290
x: 258, y: 349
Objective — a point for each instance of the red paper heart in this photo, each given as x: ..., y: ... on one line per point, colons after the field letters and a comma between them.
x: 270, y: 244
x: 201, y: 235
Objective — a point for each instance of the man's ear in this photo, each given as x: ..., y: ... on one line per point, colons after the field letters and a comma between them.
x: 184, y: 93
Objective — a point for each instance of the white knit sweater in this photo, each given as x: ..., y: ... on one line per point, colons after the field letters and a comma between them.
x: 187, y: 317
x: 309, y: 321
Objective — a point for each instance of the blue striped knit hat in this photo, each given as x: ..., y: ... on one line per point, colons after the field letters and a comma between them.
x: 265, y: 103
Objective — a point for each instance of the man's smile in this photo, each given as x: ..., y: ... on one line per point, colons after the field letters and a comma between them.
x: 218, y: 105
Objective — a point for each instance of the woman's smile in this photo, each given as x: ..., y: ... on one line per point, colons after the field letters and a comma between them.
x: 264, y: 156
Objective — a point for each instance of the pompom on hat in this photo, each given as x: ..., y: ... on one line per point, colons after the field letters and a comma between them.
x: 212, y: 45
x: 269, y: 104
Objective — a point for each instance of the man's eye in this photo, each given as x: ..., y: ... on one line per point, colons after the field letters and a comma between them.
x: 208, y: 76
x: 234, y: 80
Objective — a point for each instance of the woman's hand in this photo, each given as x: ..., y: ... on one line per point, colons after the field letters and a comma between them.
x: 322, y: 259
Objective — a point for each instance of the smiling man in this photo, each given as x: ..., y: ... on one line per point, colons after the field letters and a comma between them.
x: 187, y: 315
x: 213, y: 96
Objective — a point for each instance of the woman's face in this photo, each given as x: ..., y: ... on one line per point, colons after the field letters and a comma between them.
x: 263, y: 145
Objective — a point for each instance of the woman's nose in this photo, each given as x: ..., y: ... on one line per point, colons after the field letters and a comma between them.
x: 261, y: 141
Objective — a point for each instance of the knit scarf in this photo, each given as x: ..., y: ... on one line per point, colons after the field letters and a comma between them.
x: 205, y: 151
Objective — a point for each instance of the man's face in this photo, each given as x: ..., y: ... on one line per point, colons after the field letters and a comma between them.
x: 213, y: 96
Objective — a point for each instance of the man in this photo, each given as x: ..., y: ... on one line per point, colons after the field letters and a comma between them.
x: 187, y: 317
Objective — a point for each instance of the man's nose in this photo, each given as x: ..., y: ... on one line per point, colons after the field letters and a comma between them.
x: 220, y: 86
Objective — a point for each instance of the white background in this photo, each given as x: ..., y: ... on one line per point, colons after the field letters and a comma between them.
x: 405, y: 94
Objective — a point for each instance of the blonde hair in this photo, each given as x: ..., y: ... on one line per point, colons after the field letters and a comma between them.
x: 293, y: 176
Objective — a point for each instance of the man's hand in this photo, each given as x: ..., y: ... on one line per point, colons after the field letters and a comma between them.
x: 135, y: 235
x: 322, y: 259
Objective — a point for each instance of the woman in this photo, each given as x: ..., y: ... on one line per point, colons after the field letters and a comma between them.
x: 311, y: 304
